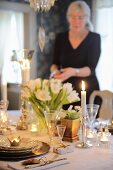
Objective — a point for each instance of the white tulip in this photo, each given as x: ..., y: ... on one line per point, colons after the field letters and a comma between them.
x: 43, y: 95
x: 55, y: 86
x: 38, y: 83
x: 68, y: 88
x: 73, y: 96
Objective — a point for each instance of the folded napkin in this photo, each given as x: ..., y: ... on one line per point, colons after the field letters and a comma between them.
x: 63, y: 149
x: 20, y: 166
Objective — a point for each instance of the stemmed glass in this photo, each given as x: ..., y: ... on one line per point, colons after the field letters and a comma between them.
x: 51, y: 120
x: 61, y: 129
x: 92, y: 110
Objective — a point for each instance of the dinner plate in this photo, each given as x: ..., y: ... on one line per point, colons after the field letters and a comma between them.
x: 25, y: 145
x: 7, y: 155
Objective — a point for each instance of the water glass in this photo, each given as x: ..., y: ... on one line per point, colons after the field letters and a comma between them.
x: 91, y: 136
x: 61, y: 129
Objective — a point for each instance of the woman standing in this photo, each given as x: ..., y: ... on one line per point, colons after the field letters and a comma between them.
x: 77, y: 51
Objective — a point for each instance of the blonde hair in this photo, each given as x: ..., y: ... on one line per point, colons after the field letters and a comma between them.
x: 81, y: 6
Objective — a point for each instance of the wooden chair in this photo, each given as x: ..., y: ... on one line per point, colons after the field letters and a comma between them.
x: 106, y: 109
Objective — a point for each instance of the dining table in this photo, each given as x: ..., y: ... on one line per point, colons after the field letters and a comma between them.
x: 92, y: 158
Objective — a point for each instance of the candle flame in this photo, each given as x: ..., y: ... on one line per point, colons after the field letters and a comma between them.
x: 83, y: 85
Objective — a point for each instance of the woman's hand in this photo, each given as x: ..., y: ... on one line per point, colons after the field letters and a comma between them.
x: 66, y: 73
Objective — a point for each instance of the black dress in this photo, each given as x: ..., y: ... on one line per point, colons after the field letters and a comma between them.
x: 86, y: 54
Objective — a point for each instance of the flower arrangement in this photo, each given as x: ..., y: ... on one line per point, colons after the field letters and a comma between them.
x: 48, y: 95
x: 73, y: 114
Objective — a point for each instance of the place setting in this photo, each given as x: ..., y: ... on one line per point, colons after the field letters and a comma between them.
x: 17, y: 148
x: 47, y: 158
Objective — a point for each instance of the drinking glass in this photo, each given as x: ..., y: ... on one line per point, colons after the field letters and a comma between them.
x: 92, y: 110
x: 61, y: 129
x: 51, y: 120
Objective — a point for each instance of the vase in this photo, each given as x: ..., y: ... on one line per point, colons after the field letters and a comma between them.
x: 72, y: 127
x: 38, y: 118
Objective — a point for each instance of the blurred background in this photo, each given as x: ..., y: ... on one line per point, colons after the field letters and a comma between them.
x: 19, y: 28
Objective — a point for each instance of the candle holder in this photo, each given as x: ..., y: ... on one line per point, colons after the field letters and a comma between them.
x: 14, y: 141
x: 90, y: 115
x: 3, y: 114
x: 23, y: 57
x: 24, y: 118
x: 83, y: 143
x: 104, y: 137
x: 33, y: 127
x: 91, y: 136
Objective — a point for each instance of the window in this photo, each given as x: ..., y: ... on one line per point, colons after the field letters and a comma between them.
x: 11, y: 29
x: 18, y: 31
x: 103, y: 24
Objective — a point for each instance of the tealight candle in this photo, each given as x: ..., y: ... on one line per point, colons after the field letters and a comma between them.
x: 83, y: 99
x: 90, y: 135
x: 104, y: 138
x: 33, y: 128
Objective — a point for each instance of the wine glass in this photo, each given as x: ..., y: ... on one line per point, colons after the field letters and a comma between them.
x: 92, y: 110
x: 61, y: 129
x: 51, y: 120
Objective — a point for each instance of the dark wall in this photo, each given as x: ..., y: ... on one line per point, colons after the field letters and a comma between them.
x: 53, y: 21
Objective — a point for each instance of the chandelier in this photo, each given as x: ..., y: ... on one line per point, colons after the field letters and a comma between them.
x: 43, y: 5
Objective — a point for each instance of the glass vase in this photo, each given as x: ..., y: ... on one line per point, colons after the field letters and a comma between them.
x: 38, y: 117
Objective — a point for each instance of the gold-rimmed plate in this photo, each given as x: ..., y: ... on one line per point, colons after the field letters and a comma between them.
x: 7, y: 155
x: 25, y: 144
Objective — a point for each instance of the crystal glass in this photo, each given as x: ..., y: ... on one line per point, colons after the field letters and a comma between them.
x: 51, y: 120
x: 92, y: 110
x: 61, y: 129
x: 104, y: 139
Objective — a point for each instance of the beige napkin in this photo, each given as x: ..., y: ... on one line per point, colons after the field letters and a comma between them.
x: 63, y: 149
x: 19, y: 166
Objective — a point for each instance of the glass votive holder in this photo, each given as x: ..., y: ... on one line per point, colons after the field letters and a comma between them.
x: 91, y: 136
x: 33, y: 127
x: 104, y: 139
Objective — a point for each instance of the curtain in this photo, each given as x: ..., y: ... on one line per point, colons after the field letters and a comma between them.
x: 103, y: 24
x: 11, y: 30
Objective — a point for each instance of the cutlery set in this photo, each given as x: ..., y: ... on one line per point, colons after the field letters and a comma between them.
x: 32, y: 163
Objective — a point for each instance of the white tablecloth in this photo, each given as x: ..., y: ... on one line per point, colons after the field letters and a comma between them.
x: 82, y: 159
